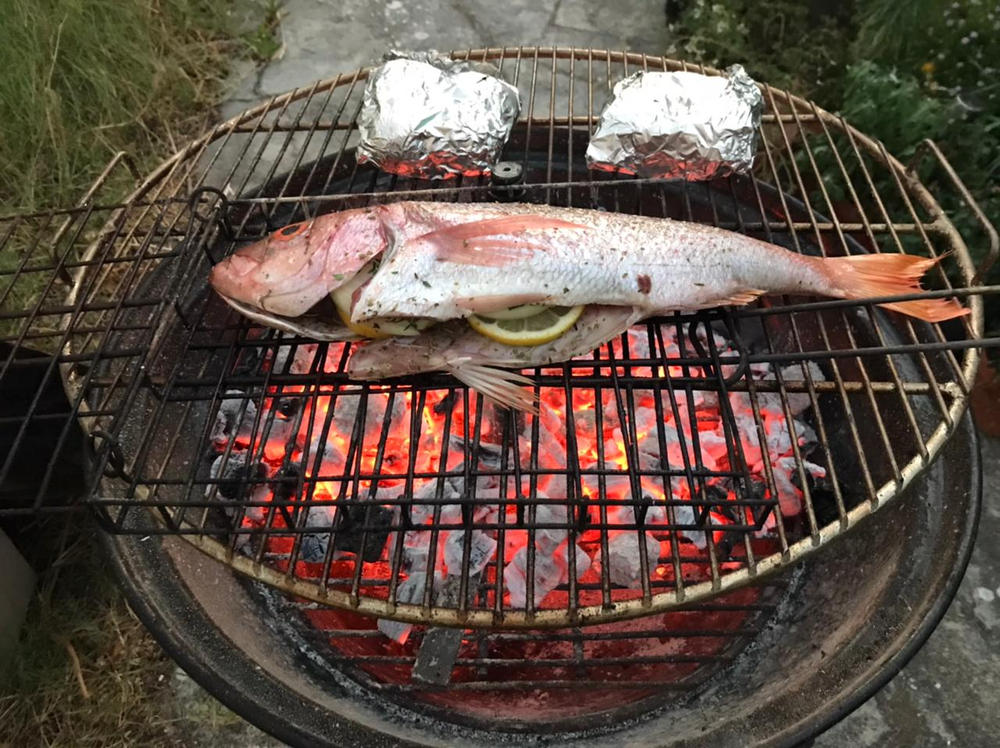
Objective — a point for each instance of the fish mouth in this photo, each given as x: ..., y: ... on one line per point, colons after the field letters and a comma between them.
x: 306, y: 326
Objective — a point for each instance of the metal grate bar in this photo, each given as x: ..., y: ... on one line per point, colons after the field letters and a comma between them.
x: 151, y: 359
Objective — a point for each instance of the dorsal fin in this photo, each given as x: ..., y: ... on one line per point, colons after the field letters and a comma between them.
x: 467, y: 243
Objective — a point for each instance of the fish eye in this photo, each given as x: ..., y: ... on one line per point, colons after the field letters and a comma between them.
x: 292, y: 230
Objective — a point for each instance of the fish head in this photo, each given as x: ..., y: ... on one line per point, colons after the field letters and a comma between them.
x: 290, y: 270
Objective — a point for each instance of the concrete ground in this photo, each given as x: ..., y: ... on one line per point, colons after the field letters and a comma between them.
x: 948, y: 693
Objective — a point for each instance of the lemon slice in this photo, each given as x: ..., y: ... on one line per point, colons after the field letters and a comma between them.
x: 537, y: 329
x: 343, y: 300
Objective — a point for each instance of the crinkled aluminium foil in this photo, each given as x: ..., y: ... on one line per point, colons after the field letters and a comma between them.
x: 679, y: 125
x: 426, y: 115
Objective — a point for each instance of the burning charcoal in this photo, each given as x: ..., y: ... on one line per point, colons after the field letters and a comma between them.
x: 486, y: 513
x: 549, y: 538
x: 807, y: 437
x: 305, y: 355
x: 481, y: 550
x: 286, y: 483
x: 487, y: 455
x: 713, y: 449
x: 548, y: 575
x: 279, y: 358
x: 789, y: 495
x: 302, y: 357
x: 234, y: 476
x: 260, y: 495
x: 363, y: 523
x: 235, y: 418
x: 649, y: 510
x: 325, y: 459
x: 624, y: 564
x: 347, y: 407
x: 410, y: 590
x: 779, y: 440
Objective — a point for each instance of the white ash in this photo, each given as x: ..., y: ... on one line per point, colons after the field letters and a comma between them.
x: 684, y: 514
x: 548, y: 539
x: 345, y: 407
x: 645, y: 508
x: 313, y: 546
x: 482, y: 548
x: 426, y: 500
x: 551, y: 570
x: 624, y: 563
x: 234, y: 419
x: 416, y: 550
x: 798, y: 402
x: 410, y: 590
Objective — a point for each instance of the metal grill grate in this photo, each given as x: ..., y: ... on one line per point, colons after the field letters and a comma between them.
x: 149, y: 358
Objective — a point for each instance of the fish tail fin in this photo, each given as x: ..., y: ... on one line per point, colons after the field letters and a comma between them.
x: 867, y: 276
x: 505, y: 388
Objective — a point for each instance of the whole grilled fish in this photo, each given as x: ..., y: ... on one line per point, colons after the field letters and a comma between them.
x: 456, y: 348
x: 446, y: 261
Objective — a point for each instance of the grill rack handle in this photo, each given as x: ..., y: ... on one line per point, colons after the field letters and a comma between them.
x: 928, y: 145
x: 219, y: 215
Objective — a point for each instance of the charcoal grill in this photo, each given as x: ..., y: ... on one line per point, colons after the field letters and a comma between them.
x: 150, y: 358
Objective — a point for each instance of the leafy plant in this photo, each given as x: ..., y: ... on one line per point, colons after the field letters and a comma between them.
x: 264, y: 42
x: 785, y: 42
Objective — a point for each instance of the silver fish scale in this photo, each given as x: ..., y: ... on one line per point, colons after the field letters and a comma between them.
x: 654, y: 264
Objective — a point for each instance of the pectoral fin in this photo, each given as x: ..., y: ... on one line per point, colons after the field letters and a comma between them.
x: 741, y: 298
x: 505, y: 388
x: 305, y: 327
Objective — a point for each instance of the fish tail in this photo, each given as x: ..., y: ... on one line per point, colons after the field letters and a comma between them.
x: 867, y: 276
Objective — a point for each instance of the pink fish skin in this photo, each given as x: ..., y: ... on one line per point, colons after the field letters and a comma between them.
x: 289, y: 271
x: 481, y: 257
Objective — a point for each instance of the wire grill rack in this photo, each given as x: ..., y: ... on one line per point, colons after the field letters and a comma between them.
x: 112, y: 302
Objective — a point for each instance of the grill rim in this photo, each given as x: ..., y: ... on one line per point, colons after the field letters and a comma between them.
x: 550, y: 618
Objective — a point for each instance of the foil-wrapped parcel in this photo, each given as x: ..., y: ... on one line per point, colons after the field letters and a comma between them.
x: 426, y: 115
x: 679, y: 125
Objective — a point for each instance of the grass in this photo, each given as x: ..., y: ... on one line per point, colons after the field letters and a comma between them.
x: 81, y: 80
x: 86, y: 672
